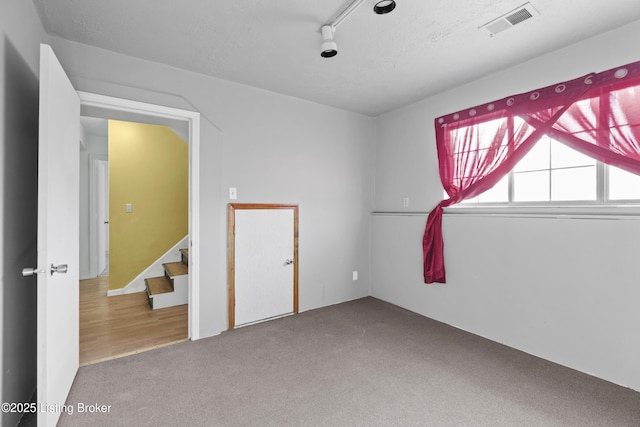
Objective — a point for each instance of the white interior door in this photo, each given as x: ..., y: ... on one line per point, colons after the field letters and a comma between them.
x: 58, y: 236
x: 264, y: 270
x: 102, y: 167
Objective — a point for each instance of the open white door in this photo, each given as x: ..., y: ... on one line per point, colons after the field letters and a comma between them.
x: 58, y: 236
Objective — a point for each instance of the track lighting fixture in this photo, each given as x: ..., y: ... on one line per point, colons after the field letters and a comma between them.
x: 329, y: 48
x: 384, y: 6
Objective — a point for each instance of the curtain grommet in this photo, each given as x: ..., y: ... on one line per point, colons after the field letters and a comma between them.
x: 621, y: 73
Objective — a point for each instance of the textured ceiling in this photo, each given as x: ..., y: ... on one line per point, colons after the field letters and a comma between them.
x: 383, y: 62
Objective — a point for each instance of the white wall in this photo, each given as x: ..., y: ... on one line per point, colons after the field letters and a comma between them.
x: 274, y: 149
x: 567, y: 290
x: 21, y: 33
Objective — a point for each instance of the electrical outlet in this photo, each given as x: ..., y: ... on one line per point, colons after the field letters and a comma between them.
x: 405, y: 202
x: 355, y: 275
x: 128, y: 208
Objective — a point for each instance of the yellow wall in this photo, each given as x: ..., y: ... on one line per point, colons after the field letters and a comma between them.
x: 149, y: 168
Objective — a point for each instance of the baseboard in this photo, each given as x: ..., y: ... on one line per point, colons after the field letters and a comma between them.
x: 154, y: 270
x: 112, y: 292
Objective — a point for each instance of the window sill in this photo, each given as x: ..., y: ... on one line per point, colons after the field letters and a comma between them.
x: 609, y: 211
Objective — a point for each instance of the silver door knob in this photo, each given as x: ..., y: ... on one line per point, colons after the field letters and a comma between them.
x: 288, y: 261
x: 62, y: 268
x: 31, y: 271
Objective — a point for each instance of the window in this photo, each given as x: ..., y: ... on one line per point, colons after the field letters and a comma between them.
x: 552, y: 173
x: 560, y: 144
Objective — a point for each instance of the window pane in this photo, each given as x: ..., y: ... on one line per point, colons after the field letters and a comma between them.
x: 487, y: 132
x: 622, y: 103
x: 537, y: 158
x: 573, y: 184
x: 588, y: 136
x: 563, y: 156
x: 478, y: 136
x: 531, y: 186
x: 499, y: 192
x: 625, y: 133
x: 588, y: 111
x: 623, y: 185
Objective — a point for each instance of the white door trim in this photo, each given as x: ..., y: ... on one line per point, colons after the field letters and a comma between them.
x: 108, y: 103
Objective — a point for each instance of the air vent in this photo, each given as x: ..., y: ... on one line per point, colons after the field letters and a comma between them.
x: 508, y: 20
x: 519, y: 16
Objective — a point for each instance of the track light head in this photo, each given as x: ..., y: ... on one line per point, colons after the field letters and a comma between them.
x: 328, y: 48
x: 384, y: 6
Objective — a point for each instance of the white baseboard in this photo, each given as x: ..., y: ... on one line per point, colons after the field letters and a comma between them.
x: 154, y: 270
x: 112, y: 292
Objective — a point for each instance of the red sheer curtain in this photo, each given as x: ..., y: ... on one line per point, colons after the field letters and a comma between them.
x: 597, y: 114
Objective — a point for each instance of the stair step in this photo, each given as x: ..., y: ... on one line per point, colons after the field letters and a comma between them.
x: 158, y: 285
x: 176, y: 269
x: 185, y: 252
x: 184, y: 256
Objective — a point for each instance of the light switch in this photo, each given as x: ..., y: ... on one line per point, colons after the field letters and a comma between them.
x: 233, y: 193
x: 128, y: 208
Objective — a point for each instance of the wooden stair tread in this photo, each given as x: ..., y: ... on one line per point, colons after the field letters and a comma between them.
x: 176, y: 269
x: 185, y: 252
x: 158, y: 285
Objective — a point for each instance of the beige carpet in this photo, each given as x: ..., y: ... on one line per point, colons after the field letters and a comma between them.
x: 361, y: 363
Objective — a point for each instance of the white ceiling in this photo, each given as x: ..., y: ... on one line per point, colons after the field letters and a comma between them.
x: 383, y: 62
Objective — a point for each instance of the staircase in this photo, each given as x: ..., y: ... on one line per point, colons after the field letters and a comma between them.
x: 172, y: 288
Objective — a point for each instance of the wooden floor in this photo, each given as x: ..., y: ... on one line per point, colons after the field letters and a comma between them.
x: 120, y: 325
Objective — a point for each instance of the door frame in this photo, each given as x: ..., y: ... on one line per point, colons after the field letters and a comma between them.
x: 231, y: 248
x: 101, y: 106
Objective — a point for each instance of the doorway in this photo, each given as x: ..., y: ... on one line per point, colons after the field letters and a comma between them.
x: 263, y: 262
x: 187, y: 124
x: 117, y: 322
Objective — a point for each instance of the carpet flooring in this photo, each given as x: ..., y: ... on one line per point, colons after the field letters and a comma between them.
x: 360, y: 363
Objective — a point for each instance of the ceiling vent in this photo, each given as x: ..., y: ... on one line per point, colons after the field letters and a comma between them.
x: 508, y: 20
